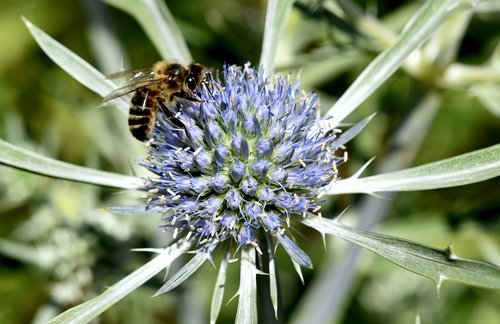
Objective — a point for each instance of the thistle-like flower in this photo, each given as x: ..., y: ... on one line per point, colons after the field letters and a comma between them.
x: 250, y: 157
x: 248, y: 161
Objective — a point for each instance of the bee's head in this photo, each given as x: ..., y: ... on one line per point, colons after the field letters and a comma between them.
x: 195, y: 76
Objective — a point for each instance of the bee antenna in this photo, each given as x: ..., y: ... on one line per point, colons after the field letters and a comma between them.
x: 205, y: 83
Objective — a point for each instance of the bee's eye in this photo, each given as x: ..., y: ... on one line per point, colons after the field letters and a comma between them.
x: 191, y: 83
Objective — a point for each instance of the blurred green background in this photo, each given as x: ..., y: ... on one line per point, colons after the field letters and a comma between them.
x: 59, y: 248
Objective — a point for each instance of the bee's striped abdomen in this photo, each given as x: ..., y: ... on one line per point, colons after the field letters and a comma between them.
x: 141, y: 117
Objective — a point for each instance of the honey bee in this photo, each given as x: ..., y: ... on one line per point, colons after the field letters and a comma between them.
x: 156, y: 88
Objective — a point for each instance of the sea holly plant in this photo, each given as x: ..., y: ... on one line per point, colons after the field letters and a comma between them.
x: 250, y: 162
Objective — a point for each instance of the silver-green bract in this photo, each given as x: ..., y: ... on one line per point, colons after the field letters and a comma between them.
x: 26, y: 160
x: 437, y: 264
x: 460, y: 170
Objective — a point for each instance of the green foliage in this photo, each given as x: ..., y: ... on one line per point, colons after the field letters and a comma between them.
x: 159, y: 24
x: 460, y: 170
x: 94, y: 307
x: 439, y: 265
x: 27, y: 160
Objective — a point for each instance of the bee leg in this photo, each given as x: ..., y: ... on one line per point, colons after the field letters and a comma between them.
x: 170, y: 113
x: 183, y: 95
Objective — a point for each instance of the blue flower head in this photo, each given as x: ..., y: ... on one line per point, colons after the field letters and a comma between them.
x: 247, y: 161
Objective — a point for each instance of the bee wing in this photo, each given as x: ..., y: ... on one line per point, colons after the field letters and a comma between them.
x: 131, y: 87
x: 132, y: 75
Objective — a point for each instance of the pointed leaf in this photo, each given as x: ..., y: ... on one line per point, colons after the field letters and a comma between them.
x: 26, y: 160
x: 89, y: 310
x: 422, y: 25
x: 158, y: 23
x: 276, y: 17
x: 294, y: 252
x: 128, y: 210
x: 273, y: 280
x: 460, y: 170
x: 74, y: 65
x: 247, y: 304
x: 351, y: 132
x: 298, y: 269
x: 219, y: 288
x: 439, y: 265
x: 185, y: 272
